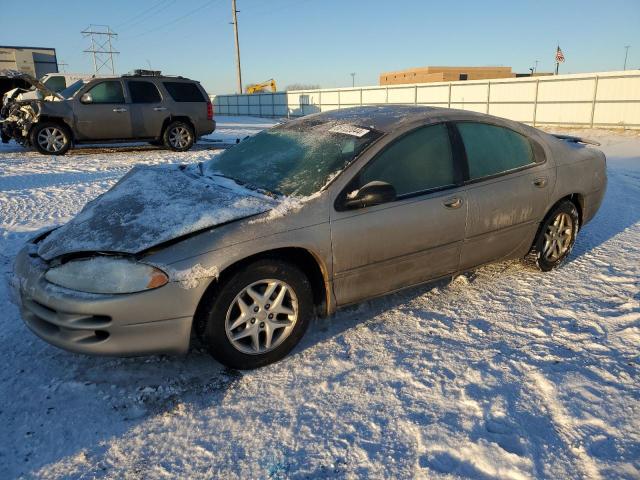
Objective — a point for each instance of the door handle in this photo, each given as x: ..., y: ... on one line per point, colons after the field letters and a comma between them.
x: 454, y: 202
x: 119, y: 110
x: 540, y: 182
x: 159, y: 109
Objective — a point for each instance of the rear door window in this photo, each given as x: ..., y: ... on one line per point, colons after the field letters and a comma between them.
x: 184, y: 91
x: 421, y: 160
x: 143, y: 92
x: 492, y: 150
x: 107, y: 92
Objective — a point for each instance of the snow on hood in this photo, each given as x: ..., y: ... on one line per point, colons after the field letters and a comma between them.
x: 151, y: 205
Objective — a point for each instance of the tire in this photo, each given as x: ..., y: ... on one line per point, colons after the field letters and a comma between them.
x: 556, y: 237
x: 224, y: 322
x: 51, y: 138
x: 178, y: 136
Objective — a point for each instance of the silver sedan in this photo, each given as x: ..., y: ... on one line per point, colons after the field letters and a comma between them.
x: 312, y: 215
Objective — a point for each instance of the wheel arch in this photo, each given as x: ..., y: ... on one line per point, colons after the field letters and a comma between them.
x: 307, y: 261
x: 576, y: 198
x: 174, y: 118
x: 55, y: 119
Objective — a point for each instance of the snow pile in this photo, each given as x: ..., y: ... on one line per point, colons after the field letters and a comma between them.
x: 506, y: 372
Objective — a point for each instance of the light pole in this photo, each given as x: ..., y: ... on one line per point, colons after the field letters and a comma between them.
x: 353, y: 79
x: 626, y: 54
x: 234, y: 12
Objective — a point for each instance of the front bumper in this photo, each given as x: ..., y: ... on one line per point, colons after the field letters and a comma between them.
x: 150, y: 322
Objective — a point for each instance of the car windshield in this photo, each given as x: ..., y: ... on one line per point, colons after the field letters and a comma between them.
x: 71, y: 90
x: 295, y: 159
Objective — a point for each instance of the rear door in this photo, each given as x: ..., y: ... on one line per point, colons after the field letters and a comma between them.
x: 415, y: 238
x: 508, y: 184
x: 104, y: 113
x: 148, y: 112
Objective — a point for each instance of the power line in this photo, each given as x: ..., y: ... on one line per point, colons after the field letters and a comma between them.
x: 152, y: 14
x: 176, y: 20
x: 140, y: 14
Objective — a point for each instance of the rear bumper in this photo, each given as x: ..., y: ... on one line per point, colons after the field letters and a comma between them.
x: 205, y: 127
x: 150, y: 322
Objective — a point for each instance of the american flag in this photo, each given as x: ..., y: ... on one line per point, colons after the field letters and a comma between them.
x: 559, y: 55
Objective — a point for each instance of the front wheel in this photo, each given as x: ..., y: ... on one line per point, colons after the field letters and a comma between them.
x: 556, y: 237
x: 178, y: 136
x: 258, y: 315
x: 50, y: 138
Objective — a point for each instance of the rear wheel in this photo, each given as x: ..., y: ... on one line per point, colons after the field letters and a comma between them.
x: 51, y: 138
x: 556, y: 237
x: 258, y: 315
x: 178, y: 136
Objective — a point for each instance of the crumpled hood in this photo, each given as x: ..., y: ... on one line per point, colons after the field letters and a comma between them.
x: 149, y: 206
x: 34, y: 82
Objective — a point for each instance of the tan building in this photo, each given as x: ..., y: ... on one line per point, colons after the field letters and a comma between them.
x: 35, y: 61
x: 444, y: 74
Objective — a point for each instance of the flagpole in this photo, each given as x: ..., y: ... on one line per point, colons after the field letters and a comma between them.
x: 557, y: 62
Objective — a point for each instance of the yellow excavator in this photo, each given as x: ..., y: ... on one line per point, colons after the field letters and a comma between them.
x: 262, y: 87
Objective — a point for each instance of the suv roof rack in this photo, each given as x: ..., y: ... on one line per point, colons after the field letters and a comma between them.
x: 139, y: 72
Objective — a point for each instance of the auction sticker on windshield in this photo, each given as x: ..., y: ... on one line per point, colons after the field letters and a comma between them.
x: 349, y: 130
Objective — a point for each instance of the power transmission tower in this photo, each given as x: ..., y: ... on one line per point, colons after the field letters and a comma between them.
x: 234, y: 12
x: 101, y: 47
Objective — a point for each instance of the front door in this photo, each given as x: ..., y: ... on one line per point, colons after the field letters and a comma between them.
x: 508, y: 188
x: 147, y: 110
x: 415, y: 238
x: 102, y: 113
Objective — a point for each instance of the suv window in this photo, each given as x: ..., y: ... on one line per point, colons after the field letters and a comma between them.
x: 491, y: 149
x: 107, y: 92
x: 143, y: 92
x: 184, y: 91
x: 56, y: 83
x: 421, y: 160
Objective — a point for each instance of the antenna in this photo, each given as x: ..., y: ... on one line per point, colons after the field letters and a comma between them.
x: 101, y: 47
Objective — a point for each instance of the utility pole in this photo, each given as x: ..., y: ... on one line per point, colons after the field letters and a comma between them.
x: 63, y: 65
x: 626, y: 54
x: 535, y: 68
x: 353, y: 79
x: 234, y: 12
x: 101, y: 47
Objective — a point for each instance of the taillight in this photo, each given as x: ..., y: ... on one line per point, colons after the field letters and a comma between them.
x: 209, y: 111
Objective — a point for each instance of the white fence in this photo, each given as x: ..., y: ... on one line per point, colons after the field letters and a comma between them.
x: 607, y: 99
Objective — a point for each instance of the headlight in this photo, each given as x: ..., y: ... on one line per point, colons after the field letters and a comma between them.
x: 106, y: 275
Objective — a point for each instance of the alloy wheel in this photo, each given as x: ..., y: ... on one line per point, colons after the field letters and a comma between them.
x: 179, y: 137
x: 51, y: 139
x: 558, y: 237
x: 261, y: 316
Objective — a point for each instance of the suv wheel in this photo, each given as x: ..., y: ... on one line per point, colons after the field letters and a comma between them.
x: 178, y: 136
x: 51, y: 138
x: 258, y: 315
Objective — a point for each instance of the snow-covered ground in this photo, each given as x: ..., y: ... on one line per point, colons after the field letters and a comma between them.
x: 503, y: 373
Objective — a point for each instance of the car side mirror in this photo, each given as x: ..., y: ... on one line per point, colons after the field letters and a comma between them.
x: 373, y: 193
x: 86, y: 98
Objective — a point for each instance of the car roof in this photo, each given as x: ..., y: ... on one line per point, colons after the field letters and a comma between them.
x: 387, y: 118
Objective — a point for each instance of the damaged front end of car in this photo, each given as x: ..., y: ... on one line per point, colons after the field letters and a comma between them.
x: 19, y: 111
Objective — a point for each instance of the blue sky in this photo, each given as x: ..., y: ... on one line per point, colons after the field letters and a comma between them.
x: 322, y: 41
